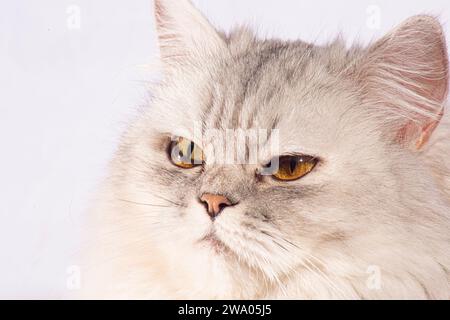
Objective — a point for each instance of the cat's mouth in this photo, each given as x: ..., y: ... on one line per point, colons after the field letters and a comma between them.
x: 211, y: 240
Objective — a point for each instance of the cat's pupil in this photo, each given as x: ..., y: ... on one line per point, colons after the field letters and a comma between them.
x: 293, y: 164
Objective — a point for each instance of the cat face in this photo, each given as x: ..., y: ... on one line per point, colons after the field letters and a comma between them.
x: 343, y: 149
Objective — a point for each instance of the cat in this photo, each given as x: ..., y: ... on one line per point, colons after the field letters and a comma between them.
x: 354, y: 204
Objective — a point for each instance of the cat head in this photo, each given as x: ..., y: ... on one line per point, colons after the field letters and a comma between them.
x: 325, y: 140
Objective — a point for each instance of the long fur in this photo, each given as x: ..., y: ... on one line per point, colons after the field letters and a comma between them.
x: 371, y: 221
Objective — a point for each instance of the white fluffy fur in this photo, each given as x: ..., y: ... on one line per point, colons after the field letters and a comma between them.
x: 377, y: 203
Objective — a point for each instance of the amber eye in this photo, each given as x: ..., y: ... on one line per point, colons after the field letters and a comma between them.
x: 185, y: 154
x: 293, y: 167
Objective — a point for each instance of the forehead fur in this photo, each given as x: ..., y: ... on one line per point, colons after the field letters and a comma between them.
x: 301, y: 89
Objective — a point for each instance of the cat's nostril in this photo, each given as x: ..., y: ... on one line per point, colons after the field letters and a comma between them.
x: 214, y: 203
x: 204, y: 203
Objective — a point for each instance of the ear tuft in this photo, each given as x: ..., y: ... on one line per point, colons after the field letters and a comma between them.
x: 183, y: 32
x: 406, y: 75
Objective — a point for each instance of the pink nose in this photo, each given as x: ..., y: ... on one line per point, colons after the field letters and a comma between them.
x: 215, y: 203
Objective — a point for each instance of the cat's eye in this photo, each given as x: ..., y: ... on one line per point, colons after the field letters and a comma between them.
x: 294, y: 167
x: 185, y: 154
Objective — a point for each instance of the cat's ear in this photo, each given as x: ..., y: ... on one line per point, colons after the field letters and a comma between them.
x: 406, y: 74
x: 184, y: 33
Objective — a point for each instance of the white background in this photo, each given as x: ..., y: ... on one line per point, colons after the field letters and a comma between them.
x: 67, y: 90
